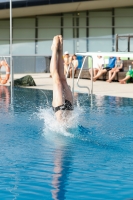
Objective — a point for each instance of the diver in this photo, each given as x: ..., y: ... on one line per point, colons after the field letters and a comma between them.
x: 62, y: 95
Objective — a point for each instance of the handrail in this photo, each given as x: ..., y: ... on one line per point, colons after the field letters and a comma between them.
x: 91, y: 76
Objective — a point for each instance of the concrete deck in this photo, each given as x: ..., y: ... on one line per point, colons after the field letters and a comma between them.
x: 44, y: 81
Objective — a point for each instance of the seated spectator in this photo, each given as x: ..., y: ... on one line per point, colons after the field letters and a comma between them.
x: 128, y: 78
x: 67, y: 61
x: 75, y: 65
x: 98, y: 64
x: 110, y: 65
x: 116, y: 69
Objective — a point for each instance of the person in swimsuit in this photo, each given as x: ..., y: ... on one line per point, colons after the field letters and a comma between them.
x: 62, y: 95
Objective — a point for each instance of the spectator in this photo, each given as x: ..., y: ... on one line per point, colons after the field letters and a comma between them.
x: 110, y: 65
x: 67, y: 61
x: 75, y: 65
x: 116, y: 69
x: 128, y: 78
x: 98, y: 64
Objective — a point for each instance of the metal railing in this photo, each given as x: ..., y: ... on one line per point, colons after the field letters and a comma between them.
x: 89, y: 91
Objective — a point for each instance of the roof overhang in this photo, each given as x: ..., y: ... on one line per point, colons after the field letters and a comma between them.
x: 114, y: 54
x: 66, y: 7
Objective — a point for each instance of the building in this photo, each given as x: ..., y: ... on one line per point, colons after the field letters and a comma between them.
x: 85, y: 25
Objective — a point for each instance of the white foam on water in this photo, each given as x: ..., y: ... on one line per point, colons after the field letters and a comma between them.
x: 52, y: 126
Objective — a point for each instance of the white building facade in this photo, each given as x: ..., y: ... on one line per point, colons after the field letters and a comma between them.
x: 83, y: 30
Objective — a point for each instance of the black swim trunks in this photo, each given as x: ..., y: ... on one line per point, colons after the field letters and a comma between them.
x: 66, y: 106
x: 107, y: 68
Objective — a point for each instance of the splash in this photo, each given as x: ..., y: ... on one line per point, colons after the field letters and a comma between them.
x: 52, y: 126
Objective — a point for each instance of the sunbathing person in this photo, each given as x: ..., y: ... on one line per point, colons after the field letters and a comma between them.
x: 106, y: 69
x: 62, y: 95
x: 116, y: 69
x: 128, y: 78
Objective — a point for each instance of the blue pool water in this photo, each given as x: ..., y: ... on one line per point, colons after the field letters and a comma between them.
x: 90, y: 158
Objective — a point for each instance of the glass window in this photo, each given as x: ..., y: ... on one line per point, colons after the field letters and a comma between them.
x: 124, y: 31
x: 100, y: 22
x: 100, y: 31
x: 68, y: 20
x: 24, y: 23
x: 131, y: 44
x: 82, y: 22
x: 48, y: 33
x: 100, y: 14
x: 123, y: 21
x: 123, y: 44
x: 24, y: 64
x: 49, y: 21
x: 104, y: 45
x: 124, y: 12
x: 23, y: 47
x: 44, y: 47
x: 68, y: 44
x: 24, y: 36
x: 4, y: 47
x: 124, y: 27
x: 4, y: 37
x: 82, y: 40
x: 100, y: 19
x: 41, y: 64
x: 68, y: 33
x: 100, y: 39
x: 45, y: 37
x: 48, y: 27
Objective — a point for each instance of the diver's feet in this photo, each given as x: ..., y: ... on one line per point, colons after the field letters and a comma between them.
x: 55, y: 44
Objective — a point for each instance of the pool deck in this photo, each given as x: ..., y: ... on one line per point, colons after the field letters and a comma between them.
x: 43, y: 81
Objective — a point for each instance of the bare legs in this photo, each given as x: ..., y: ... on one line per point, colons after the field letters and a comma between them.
x: 71, y: 71
x: 99, y: 74
x: 65, y: 69
x: 66, y: 88
x: 123, y: 81
x: 95, y: 72
x: 112, y: 74
x: 57, y: 86
x: 60, y: 86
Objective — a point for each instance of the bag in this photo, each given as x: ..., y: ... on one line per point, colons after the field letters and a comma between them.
x: 25, y: 81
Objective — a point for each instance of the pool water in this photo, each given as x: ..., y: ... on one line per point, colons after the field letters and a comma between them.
x: 89, y: 158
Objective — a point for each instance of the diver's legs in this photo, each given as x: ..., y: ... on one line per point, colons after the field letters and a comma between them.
x: 57, y: 86
x: 66, y: 88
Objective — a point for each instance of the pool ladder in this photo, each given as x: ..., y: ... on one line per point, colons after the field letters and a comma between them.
x: 90, y: 91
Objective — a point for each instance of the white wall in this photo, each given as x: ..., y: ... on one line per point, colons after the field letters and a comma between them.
x: 30, y: 38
